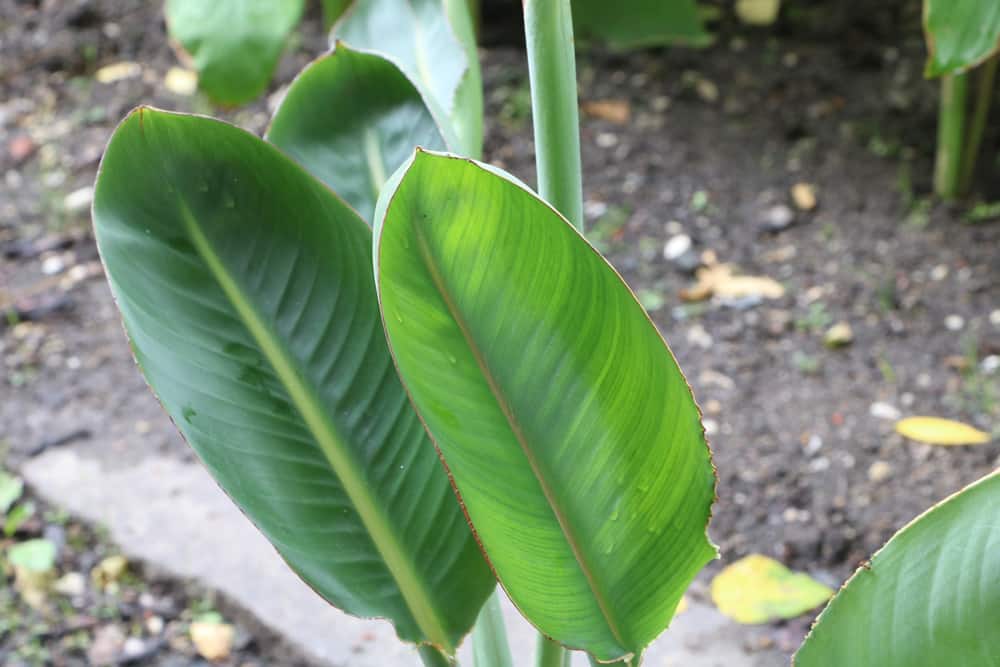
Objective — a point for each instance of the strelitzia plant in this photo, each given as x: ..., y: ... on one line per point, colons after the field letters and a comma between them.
x: 417, y: 378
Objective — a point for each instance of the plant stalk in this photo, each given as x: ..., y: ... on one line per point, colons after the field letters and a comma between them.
x: 431, y: 657
x: 489, y: 636
x: 985, y: 78
x: 548, y: 30
x: 951, y: 135
x: 551, y: 654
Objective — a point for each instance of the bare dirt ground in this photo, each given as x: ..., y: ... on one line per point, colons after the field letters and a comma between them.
x: 811, y: 471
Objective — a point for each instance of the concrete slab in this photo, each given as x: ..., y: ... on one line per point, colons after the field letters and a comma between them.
x: 172, y: 514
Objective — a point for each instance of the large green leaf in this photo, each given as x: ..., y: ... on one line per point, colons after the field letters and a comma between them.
x: 930, y: 597
x: 433, y: 42
x: 960, y: 33
x: 569, y: 431
x: 639, y: 23
x: 235, y: 44
x: 247, y: 292
x: 351, y: 119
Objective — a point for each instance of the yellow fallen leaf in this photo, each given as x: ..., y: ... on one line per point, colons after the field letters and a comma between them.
x: 758, y: 589
x: 758, y: 12
x: 614, y: 111
x: 181, y: 81
x: 718, y: 280
x: 937, y: 431
x: 109, y: 571
x: 213, y: 641
x: 118, y: 72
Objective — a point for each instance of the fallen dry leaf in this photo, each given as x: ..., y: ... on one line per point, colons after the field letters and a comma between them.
x: 718, y: 280
x: 937, y: 431
x: 757, y: 589
x: 613, y: 111
x: 804, y: 196
x: 109, y: 571
x: 118, y: 72
x: 181, y: 81
x: 213, y: 641
x: 758, y: 12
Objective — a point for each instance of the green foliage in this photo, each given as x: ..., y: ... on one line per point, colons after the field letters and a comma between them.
x: 235, y: 44
x: 38, y: 556
x: 570, y: 433
x: 960, y: 34
x: 266, y: 348
x: 930, y: 597
x: 639, y: 23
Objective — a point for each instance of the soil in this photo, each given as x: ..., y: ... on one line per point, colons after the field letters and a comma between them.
x: 811, y: 471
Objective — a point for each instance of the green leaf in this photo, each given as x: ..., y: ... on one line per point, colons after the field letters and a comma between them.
x: 489, y: 637
x: 929, y: 597
x: 351, y: 119
x: 569, y: 431
x: 37, y: 556
x: 16, y: 518
x: 11, y: 489
x: 639, y: 23
x: 235, y: 44
x: 247, y: 292
x: 433, y: 42
x: 333, y: 10
x: 960, y: 34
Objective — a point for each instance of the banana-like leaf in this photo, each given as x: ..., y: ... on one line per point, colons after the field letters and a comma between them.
x: 633, y: 24
x: 571, y: 435
x: 235, y: 44
x: 246, y: 289
x: 433, y: 42
x: 333, y: 10
x: 960, y: 34
x: 930, y: 597
x: 352, y: 118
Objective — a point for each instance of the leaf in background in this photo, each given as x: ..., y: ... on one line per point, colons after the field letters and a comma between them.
x: 937, y: 431
x: 333, y: 10
x: 247, y: 291
x: 16, y: 518
x: 930, y: 597
x: 351, y: 119
x: 434, y: 43
x: 37, y: 556
x: 235, y: 44
x: 570, y: 433
x: 960, y: 34
x: 758, y: 12
x: 634, y: 24
x: 757, y: 589
x: 11, y: 489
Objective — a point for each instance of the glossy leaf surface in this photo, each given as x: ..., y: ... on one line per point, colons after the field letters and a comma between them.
x: 570, y: 433
x: 929, y: 597
x: 351, y: 119
x: 246, y: 289
x: 433, y: 42
x: 639, y: 23
x: 235, y: 44
x: 960, y: 33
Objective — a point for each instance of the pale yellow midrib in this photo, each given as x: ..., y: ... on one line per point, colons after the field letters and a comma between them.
x: 330, y: 443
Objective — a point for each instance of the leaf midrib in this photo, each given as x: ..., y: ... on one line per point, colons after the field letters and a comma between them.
x: 332, y: 445
x: 516, y: 430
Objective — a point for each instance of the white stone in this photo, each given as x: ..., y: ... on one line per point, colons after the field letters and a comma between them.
x: 881, y: 410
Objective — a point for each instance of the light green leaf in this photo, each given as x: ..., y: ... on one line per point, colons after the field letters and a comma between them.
x: 35, y: 556
x: 960, y: 34
x: 433, y: 42
x: 570, y: 433
x: 235, y: 44
x: 16, y: 518
x: 246, y: 289
x: 634, y: 24
x: 11, y: 489
x: 930, y: 597
x: 351, y: 119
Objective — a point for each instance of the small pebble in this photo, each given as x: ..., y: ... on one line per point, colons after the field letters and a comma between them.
x: 939, y: 272
x: 53, y: 265
x: 79, y: 200
x: 777, y: 218
x: 677, y: 246
x: 990, y: 364
x: 881, y: 410
x: 707, y: 90
x: 879, y: 471
x: 954, y: 323
x: 711, y: 426
x: 698, y: 337
x: 995, y: 318
x: 839, y: 335
x: 606, y: 140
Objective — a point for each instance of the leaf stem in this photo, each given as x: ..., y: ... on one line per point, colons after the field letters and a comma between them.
x: 431, y: 657
x: 489, y: 636
x: 986, y: 75
x: 951, y: 135
x: 548, y: 30
x: 551, y: 654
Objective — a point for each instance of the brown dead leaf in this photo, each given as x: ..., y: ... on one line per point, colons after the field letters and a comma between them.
x: 613, y: 111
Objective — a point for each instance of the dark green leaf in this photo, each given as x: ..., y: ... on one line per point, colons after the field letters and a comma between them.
x: 351, y: 119
x: 570, y: 433
x: 235, y: 44
x: 639, y: 23
x: 930, y: 597
x: 247, y: 291
x: 960, y: 33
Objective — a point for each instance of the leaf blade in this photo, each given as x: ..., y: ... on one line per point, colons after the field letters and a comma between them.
x: 960, y: 34
x: 474, y: 276
x: 264, y: 345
